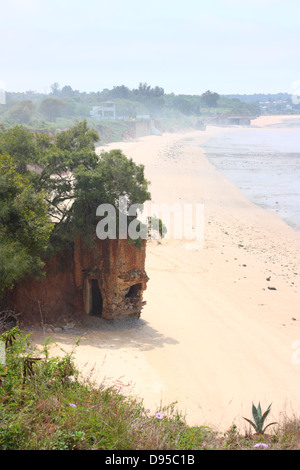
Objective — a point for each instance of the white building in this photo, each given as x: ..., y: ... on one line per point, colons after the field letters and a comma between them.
x: 107, y: 110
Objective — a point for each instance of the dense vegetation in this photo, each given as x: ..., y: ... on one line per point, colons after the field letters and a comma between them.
x: 45, y: 404
x: 62, y: 107
x: 50, y: 188
x: 24, y: 225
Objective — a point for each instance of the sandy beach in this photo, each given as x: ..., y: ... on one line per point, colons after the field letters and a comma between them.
x: 215, y: 334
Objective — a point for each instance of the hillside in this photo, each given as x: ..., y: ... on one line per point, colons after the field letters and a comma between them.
x: 62, y: 107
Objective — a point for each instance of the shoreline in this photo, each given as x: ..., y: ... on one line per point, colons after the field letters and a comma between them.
x: 212, y: 337
x: 263, y: 162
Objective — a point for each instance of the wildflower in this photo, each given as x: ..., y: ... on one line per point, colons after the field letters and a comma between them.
x: 159, y: 415
x: 72, y: 405
x: 261, y: 445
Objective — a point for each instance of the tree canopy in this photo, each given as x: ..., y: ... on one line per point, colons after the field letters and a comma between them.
x: 77, y: 180
x: 210, y: 98
x: 50, y: 188
x: 20, y: 144
x: 62, y: 106
x: 22, y: 111
x: 25, y: 225
x: 52, y: 108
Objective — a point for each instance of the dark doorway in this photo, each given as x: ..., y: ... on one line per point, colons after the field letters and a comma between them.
x: 133, y: 291
x: 97, y: 301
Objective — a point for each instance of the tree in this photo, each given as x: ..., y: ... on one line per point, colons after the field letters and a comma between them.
x: 112, y: 177
x: 183, y: 105
x: 104, y: 182
x: 55, y: 89
x: 76, y: 180
x: 73, y: 178
x: 52, y: 108
x: 120, y: 92
x: 20, y: 144
x: 67, y: 91
x: 22, y: 111
x: 145, y: 92
x: 25, y: 226
x: 210, y: 99
x: 77, y: 138
x: 58, y: 160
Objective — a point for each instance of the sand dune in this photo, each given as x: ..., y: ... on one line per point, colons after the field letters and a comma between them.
x: 213, y: 336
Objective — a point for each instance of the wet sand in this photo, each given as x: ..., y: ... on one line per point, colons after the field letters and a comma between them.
x: 221, y: 327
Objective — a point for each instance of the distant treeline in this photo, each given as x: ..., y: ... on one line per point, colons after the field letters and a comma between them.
x: 68, y: 103
x: 261, y: 97
x: 62, y: 106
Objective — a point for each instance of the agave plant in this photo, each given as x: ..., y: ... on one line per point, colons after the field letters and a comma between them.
x: 259, y: 418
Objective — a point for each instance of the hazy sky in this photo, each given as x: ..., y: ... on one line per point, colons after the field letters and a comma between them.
x: 187, y: 46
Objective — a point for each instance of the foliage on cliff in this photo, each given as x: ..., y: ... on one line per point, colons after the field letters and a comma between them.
x: 61, y: 179
x: 25, y: 226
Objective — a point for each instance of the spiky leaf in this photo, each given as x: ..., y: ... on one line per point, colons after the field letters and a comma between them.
x: 259, y: 409
x: 266, y: 413
x: 256, y: 413
x: 271, y: 424
x: 252, y: 424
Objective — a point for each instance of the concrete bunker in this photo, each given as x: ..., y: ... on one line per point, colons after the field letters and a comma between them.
x: 92, y: 297
x: 134, y: 291
x: 103, y: 278
x: 97, y: 300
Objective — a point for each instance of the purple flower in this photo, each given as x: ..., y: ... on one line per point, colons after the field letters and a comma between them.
x: 159, y: 415
x: 72, y: 405
x: 261, y: 445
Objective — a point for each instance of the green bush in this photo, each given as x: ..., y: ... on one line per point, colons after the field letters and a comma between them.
x: 51, y: 407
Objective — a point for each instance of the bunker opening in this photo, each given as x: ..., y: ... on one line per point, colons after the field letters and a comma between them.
x: 134, y: 291
x: 96, y: 299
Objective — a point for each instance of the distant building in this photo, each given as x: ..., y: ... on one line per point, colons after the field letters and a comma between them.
x: 143, y: 116
x: 227, y: 120
x: 139, y: 126
x: 107, y: 110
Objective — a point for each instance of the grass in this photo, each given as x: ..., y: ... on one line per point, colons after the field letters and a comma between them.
x: 49, y: 406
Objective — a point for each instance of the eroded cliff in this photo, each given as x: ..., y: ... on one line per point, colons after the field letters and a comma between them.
x: 105, y: 278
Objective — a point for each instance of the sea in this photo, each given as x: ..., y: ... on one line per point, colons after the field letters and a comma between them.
x: 264, y: 163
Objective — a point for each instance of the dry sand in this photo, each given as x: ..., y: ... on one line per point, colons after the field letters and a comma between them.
x: 213, y: 336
